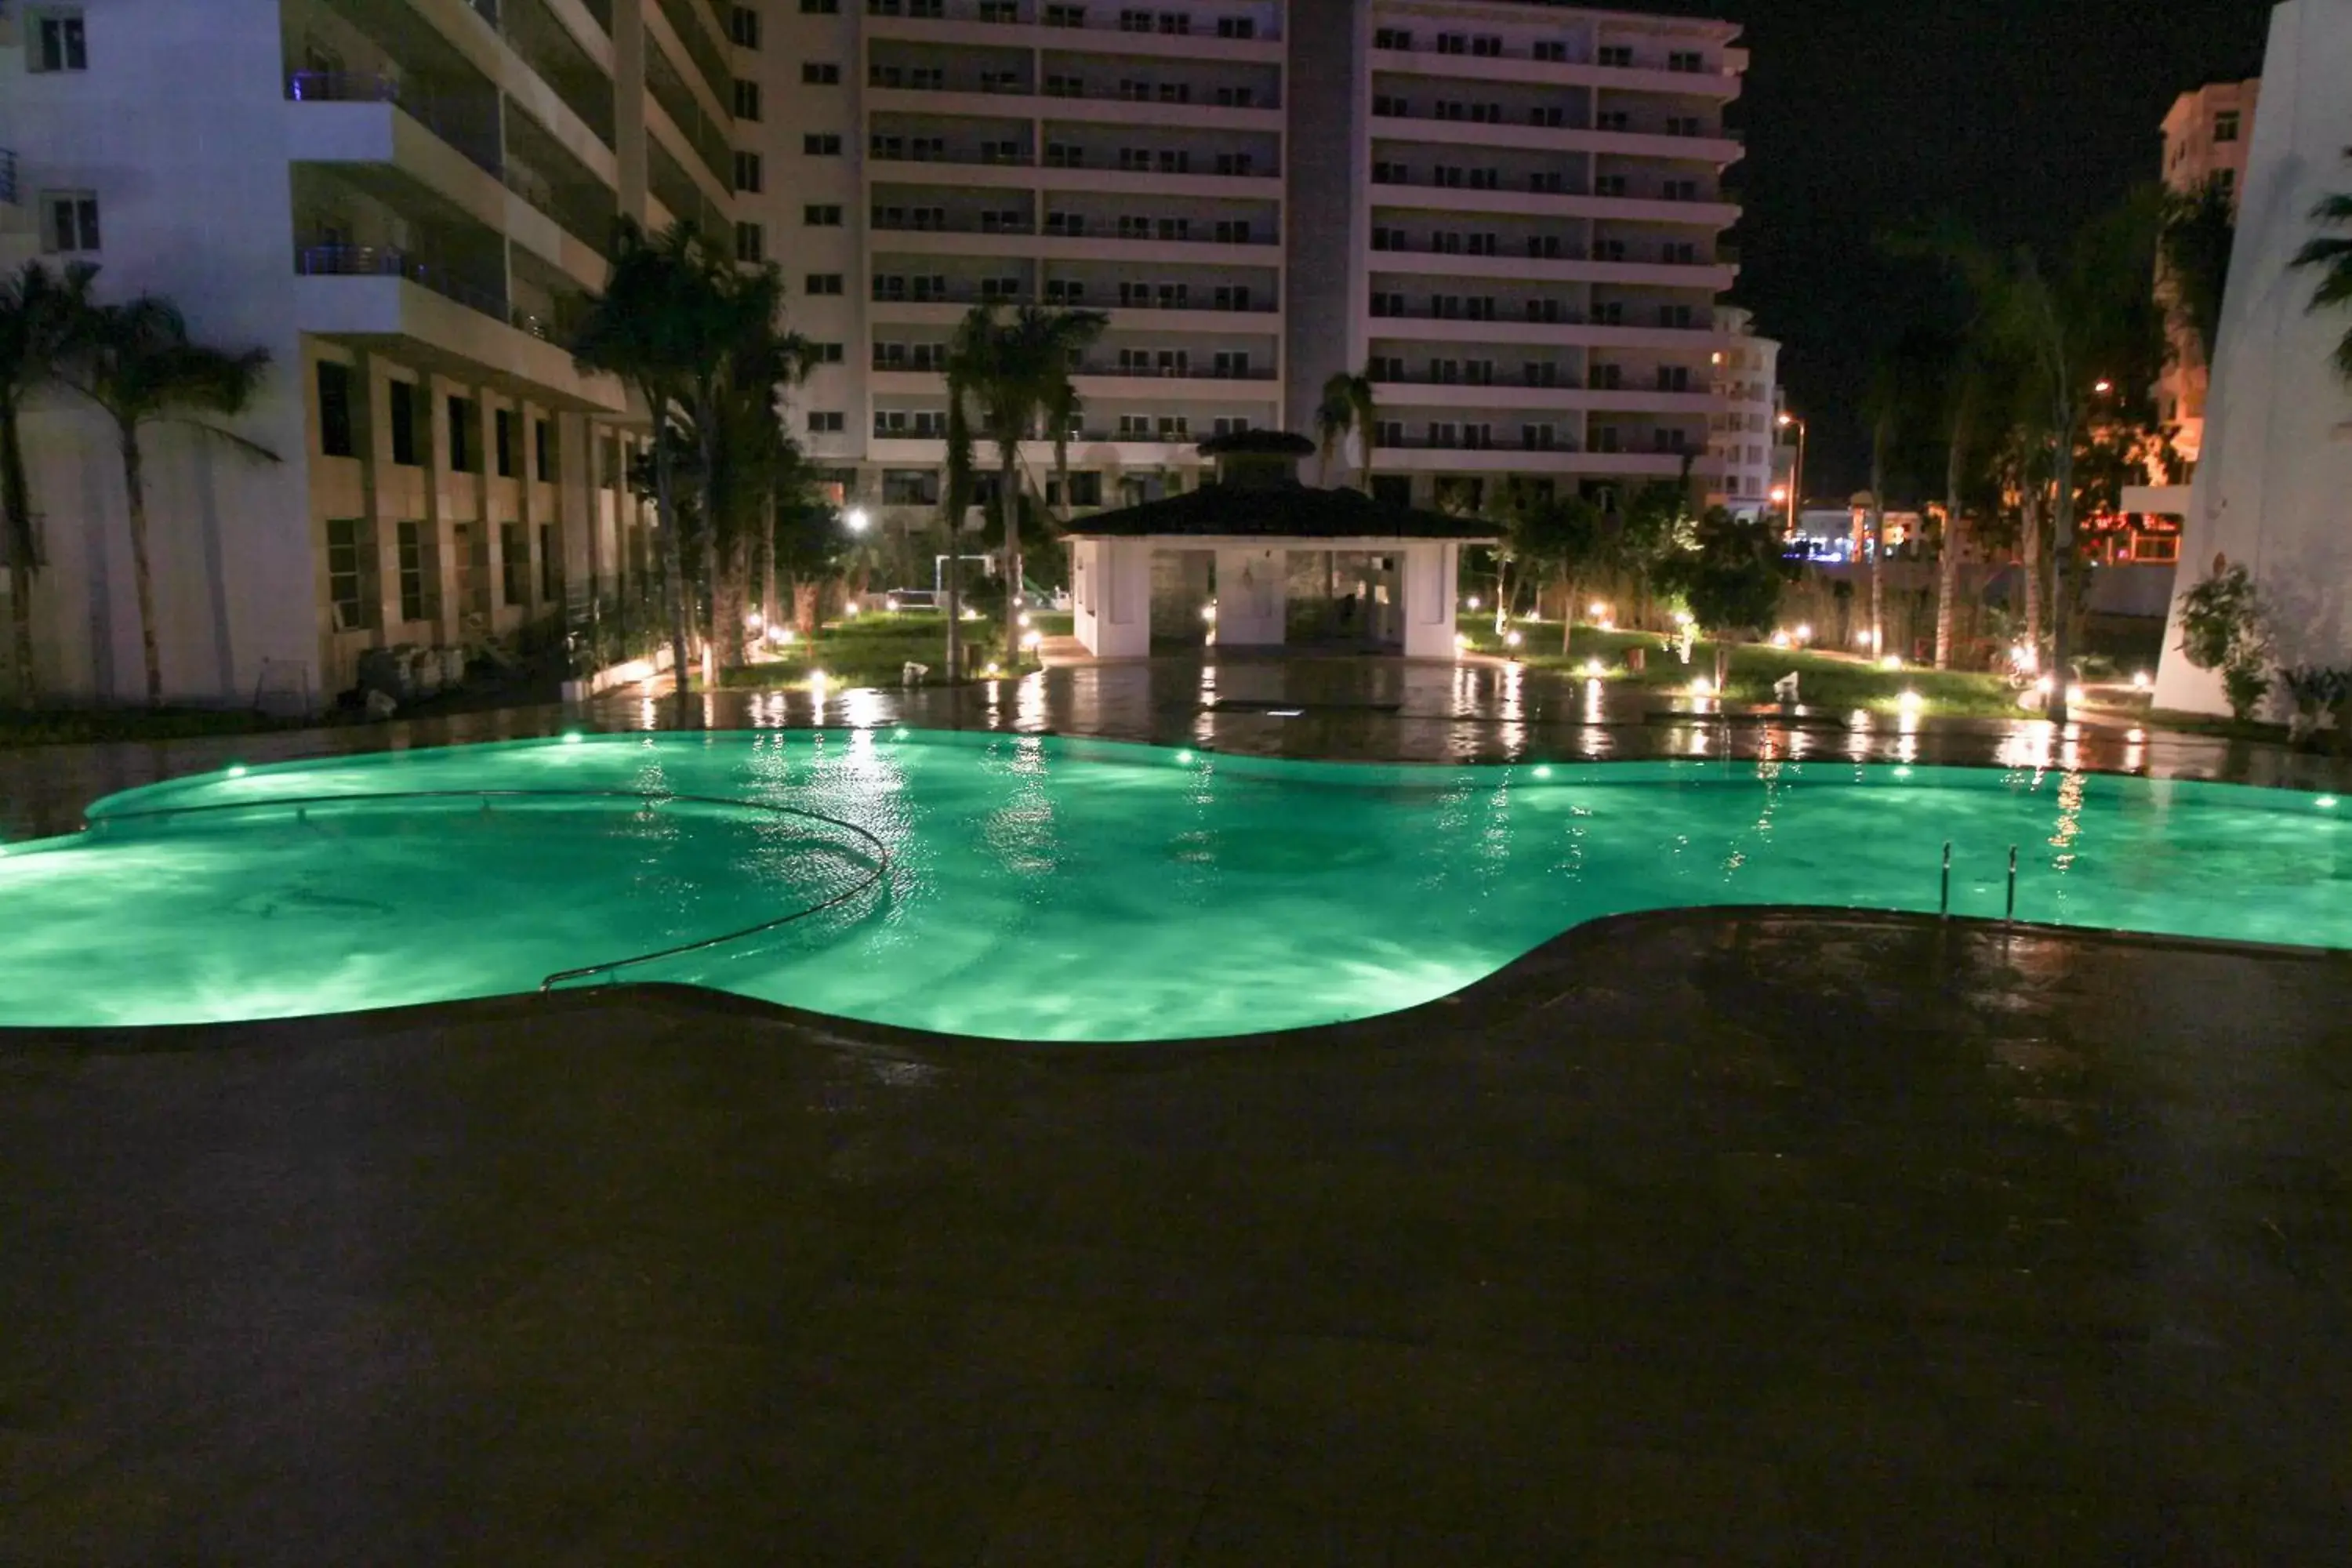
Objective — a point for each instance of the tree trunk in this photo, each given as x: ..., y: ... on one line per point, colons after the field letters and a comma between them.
x: 2062, y: 603
x: 1878, y: 544
x: 709, y: 422
x: 955, y: 591
x: 672, y: 551
x: 805, y: 607
x: 1947, y: 556
x: 143, y: 570
x: 16, y: 529
x: 1567, y: 611
x: 2030, y: 544
x: 1009, y: 508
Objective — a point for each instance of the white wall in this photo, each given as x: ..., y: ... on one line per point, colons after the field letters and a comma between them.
x: 2274, y: 492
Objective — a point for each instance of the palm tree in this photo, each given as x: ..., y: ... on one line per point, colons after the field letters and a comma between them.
x: 2331, y: 255
x: 1348, y: 407
x: 2199, y: 227
x: 137, y: 362
x: 1014, y: 374
x: 642, y: 328
x: 38, y: 308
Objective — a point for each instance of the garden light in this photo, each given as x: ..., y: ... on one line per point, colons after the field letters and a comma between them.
x: 1031, y: 639
x: 753, y: 622
x: 1593, y: 669
x: 1597, y: 608
x: 1892, y: 661
x: 1910, y: 702
x: 1780, y: 639
x: 2139, y: 680
x: 1804, y: 634
x: 1209, y: 611
x: 1513, y: 640
x: 1702, y: 687
x: 1460, y: 642
x: 855, y: 520
x: 851, y: 606
x: 1024, y: 617
x: 1474, y: 601
x: 572, y: 737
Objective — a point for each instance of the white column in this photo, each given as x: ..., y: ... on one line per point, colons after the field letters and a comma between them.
x: 1251, y: 597
x: 1429, y: 573
x: 1123, y: 599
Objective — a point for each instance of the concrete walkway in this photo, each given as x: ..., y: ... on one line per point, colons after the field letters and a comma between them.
x: 1724, y: 1237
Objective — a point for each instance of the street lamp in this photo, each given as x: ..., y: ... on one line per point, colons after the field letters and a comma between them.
x: 1797, y: 473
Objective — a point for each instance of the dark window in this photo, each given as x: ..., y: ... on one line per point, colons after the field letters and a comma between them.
x: 820, y: 73
x: 404, y: 429
x: 827, y: 422
x: 820, y: 146
x: 743, y: 26
x: 751, y: 242
x: 820, y: 7
x: 335, y: 410
x: 71, y: 221
x: 747, y: 172
x: 347, y: 573
x: 514, y: 565
x: 416, y: 583
x: 61, y: 44
x: 502, y: 428
x: 2225, y: 126
x: 823, y: 283
x: 824, y: 216
x: 746, y: 99
x: 465, y: 457
x: 542, y: 458
x: 551, y: 565
x: 824, y: 353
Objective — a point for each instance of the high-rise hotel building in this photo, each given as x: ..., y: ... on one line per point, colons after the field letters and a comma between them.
x: 1511, y: 213
x: 396, y: 198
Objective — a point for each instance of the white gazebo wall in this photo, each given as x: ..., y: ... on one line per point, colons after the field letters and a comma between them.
x: 1110, y: 596
x: 1429, y: 576
x: 1251, y: 597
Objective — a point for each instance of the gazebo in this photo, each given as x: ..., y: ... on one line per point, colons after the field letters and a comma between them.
x: 1402, y: 561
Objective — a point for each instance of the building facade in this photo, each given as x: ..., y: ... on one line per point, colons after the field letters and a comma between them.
x: 1748, y: 462
x: 396, y: 198
x: 1509, y: 213
x: 2207, y: 137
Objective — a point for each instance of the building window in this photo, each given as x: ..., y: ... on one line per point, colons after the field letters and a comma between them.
x: 823, y: 283
x: 743, y: 26
x: 746, y: 99
x: 820, y: 7
x: 514, y: 566
x: 347, y: 573
x: 747, y: 172
x: 542, y: 456
x: 824, y: 353
x: 335, y: 410
x: 404, y: 425
x: 825, y: 145
x: 2225, y: 125
x: 751, y: 243
x: 1065, y: 15
x: 2228, y: 180
x: 820, y: 73
x: 551, y: 565
x: 69, y: 221
x: 416, y: 574
x: 827, y: 422
x: 465, y: 419
x: 502, y: 436
x: 1392, y: 38
x: 1549, y: 49
x: 1690, y: 62
x: 1618, y: 55
x: 57, y: 43
x: 1238, y: 27
x: 821, y: 216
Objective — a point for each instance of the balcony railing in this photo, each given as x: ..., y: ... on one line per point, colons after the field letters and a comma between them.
x: 1059, y: 231
x: 1431, y: 378
x: 7, y: 177
x: 441, y: 117
x: 1176, y: 372
x: 964, y: 295
x: 1466, y: 442
x: 389, y: 261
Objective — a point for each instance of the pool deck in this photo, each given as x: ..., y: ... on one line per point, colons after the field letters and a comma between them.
x: 1708, y: 1237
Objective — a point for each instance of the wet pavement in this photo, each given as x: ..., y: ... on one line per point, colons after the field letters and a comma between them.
x: 1328, y: 708
x: 1715, y: 1238
x: 1726, y: 1236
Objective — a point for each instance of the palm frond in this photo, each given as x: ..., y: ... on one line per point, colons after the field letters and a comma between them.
x: 243, y: 445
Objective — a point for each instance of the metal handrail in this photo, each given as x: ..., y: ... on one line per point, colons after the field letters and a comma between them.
x: 880, y: 857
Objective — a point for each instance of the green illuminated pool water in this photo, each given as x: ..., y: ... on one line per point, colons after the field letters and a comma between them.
x: 1055, y: 890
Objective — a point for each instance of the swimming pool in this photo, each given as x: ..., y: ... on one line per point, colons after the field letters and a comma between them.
x: 1047, y: 888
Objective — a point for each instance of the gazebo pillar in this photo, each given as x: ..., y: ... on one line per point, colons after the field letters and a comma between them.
x: 1431, y: 568
x: 1110, y: 596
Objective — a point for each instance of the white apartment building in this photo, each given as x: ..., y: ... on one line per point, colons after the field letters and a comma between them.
x: 1745, y: 442
x: 395, y: 198
x: 2207, y: 137
x: 1510, y: 211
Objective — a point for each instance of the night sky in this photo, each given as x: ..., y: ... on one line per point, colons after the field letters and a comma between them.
x: 2019, y: 117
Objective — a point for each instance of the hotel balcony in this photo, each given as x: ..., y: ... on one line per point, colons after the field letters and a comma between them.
x: 1722, y: 82
x: 1421, y: 457
x: 1711, y: 276
x: 450, y: 316
x: 1718, y: 149
x: 960, y: 22
x: 1419, y: 191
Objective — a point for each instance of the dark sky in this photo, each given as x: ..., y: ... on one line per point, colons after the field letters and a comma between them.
x: 2019, y: 117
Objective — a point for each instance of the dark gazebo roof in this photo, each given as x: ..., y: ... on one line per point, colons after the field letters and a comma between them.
x: 1285, y: 511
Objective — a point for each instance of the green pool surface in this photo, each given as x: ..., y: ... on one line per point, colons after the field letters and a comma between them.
x: 1058, y: 889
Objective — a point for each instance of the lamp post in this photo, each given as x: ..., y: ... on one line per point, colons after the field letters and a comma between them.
x: 1796, y: 474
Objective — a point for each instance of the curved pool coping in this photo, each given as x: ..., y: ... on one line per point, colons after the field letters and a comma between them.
x: 843, y: 1029
x: 1537, y: 978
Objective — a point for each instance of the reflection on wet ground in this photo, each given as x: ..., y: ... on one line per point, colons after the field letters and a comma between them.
x: 1708, y: 1238
x: 1339, y: 709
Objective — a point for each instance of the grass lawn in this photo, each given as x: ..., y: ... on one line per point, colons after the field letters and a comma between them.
x: 871, y: 649
x: 1825, y: 680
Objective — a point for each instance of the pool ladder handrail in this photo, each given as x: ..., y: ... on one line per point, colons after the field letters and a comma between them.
x: 879, y: 858
x: 1944, y: 904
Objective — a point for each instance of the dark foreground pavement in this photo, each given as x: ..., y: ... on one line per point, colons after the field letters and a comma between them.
x: 1715, y: 1236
